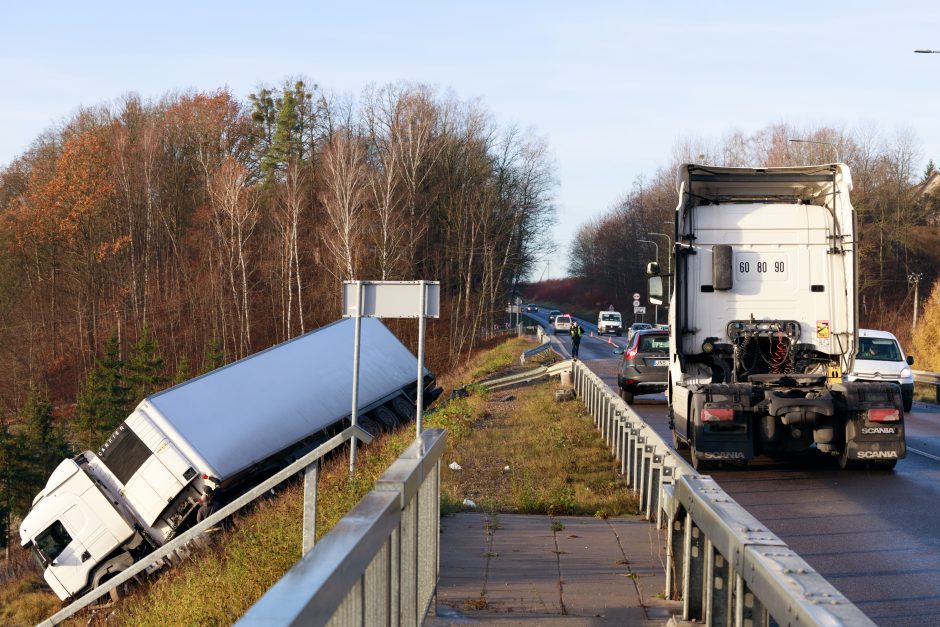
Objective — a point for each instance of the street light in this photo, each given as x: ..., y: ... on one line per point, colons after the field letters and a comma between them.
x: 812, y: 141
x: 656, y: 310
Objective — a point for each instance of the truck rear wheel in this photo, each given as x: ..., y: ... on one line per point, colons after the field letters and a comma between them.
x: 404, y: 409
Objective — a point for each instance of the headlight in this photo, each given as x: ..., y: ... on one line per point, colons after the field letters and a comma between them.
x: 905, y: 373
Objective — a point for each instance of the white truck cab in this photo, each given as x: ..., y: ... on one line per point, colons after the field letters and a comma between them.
x: 609, y: 322
x: 880, y: 358
x: 72, y: 527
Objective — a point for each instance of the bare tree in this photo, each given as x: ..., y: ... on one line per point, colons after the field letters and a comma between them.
x: 345, y: 188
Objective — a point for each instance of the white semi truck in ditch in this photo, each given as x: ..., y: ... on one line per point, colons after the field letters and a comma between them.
x: 764, y: 320
x: 225, y: 430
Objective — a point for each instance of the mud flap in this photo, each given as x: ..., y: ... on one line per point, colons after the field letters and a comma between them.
x: 725, y: 440
x: 875, y: 441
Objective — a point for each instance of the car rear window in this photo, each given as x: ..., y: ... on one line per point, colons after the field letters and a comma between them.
x: 563, y: 319
x: 654, y: 343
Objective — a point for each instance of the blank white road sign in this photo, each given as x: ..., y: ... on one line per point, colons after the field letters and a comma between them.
x: 392, y: 299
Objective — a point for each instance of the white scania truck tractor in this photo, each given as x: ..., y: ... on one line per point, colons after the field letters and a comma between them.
x: 764, y: 320
x: 225, y: 430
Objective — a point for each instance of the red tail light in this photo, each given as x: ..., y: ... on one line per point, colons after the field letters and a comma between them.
x: 717, y: 415
x: 884, y: 415
x: 630, y: 354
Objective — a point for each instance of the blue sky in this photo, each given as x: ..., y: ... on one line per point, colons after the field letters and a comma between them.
x: 611, y: 86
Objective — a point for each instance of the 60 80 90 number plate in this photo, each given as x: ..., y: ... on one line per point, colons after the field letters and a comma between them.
x: 761, y: 267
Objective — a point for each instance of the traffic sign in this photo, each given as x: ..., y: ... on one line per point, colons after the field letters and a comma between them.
x: 639, y: 310
x: 636, y: 296
x: 636, y: 303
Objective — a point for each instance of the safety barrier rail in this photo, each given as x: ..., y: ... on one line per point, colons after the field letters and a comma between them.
x: 379, y: 565
x: 722, y: 562
x: 929, y: 378
x: 171, y: 551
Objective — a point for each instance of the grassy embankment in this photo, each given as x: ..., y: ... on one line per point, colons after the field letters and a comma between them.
x: 556, y: 464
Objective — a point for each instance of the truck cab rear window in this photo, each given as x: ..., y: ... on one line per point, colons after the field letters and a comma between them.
x: 53, y: 541
x: 123, y: 453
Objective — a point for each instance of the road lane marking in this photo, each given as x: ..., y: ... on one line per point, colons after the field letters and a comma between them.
x: 933, y: 457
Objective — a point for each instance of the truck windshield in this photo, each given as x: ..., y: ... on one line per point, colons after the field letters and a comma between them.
x: 878, y: 349
x: 51, y: 542
x: 610, y: 317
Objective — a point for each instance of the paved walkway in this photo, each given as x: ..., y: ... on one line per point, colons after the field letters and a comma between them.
x: 513, y: 569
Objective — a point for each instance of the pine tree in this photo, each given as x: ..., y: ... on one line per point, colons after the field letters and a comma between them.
x: 41, y: 443
x: 929, y: 170
x: 182, y: 370
x: 214, y: 357
x: 103, y: 400
x: 145, y: 368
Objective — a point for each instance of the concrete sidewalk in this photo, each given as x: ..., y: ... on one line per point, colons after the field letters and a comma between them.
x: 539, y: 570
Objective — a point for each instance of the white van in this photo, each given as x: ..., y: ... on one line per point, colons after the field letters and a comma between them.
x: 880, y: 358
x: 562, y: 324
x: 609, y: 322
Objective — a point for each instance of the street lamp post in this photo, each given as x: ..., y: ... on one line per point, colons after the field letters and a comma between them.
x: 813, y: 141
x: 656, y: 307
x: 914, y: 279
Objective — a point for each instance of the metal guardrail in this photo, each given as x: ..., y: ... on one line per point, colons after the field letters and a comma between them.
x: 379, y: 565
x: 726, y: 566
x: 929, y: 378
x: 542, y: 372
x: 309, y: 463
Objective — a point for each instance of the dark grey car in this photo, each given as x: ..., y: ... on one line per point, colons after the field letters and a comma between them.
x: 644, y: 368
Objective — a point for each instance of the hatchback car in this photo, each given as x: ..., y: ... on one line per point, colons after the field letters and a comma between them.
x: 636, y: 326
x: 880, y: 358
x: 644, y: 368
x: 552, y: 314
x: 562, y: 324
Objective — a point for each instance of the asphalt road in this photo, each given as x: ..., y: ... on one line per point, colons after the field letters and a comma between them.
x: 872, y: 534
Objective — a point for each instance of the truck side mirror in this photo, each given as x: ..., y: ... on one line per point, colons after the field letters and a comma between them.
x: 722, y: 266
x: 655, y: 289
x: 652, y: 269
x: 910, y: 360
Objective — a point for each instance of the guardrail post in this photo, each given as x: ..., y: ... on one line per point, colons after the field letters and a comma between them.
x: 311, y: 476
x: 638, y: 443
x: 719, y: 590
x: 655, y: 474
x: 675, y: 554
x: 645, y: 479
x: 667, y: 479
x: 747, y: 608
x: 618, y: 433
x: 693, y: 571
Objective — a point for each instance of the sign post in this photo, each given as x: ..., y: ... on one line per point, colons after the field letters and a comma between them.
x: 389, y: 299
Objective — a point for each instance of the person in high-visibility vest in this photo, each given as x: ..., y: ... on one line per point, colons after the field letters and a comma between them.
x: 576, y: 333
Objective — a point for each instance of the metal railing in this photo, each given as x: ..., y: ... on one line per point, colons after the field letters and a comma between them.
x: 722, y: 562
x: 929, y: 378
x: 309, y: 464
x: 379, y: 565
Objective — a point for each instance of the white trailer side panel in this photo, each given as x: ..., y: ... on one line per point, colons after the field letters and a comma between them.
x: 242, y: 413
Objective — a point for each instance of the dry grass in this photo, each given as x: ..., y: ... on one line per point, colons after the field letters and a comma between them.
x: 557, y: 464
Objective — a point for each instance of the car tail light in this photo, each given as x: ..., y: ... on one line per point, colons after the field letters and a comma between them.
x: 884, y: 415
x: 630, y: 354
x: 717, y: 415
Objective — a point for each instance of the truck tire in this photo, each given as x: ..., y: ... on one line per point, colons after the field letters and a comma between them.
x: 699, y: 464
x: 677, y: 442
x: 404, y: 409
x: 844, y: 462
x: 908, y: 400
x: 386, y: 417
